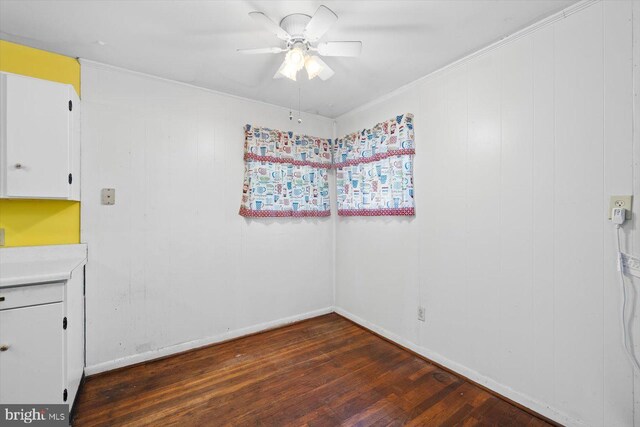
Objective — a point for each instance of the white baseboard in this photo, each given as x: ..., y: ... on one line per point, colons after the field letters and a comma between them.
x: 533, y: 404
x: 173, y: 349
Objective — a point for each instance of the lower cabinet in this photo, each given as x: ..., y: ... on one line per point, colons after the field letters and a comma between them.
x: 32, y: 354
x: 42, y: 341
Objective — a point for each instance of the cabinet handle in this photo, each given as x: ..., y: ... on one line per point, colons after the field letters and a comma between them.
x: 1, y: 299
x: 18, y: 165
x: 4, y: 347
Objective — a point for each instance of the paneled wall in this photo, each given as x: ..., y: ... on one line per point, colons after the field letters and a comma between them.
x: 172, y: 265
x: 511, y: 253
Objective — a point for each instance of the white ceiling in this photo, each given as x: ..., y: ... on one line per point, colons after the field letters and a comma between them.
x: 196, y: 41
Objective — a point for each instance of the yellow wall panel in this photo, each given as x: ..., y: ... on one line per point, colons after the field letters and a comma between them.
x: 27, y: 61
x: 39, y: 222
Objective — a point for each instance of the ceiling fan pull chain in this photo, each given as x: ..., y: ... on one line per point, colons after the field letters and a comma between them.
x: 299, y: 114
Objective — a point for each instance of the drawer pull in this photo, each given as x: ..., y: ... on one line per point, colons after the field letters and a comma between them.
x: 1, y: 299
x: 4, y: 347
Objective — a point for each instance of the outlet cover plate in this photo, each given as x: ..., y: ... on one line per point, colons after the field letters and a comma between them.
x: 421, y: 314
x: 108, y: 196
x: 621, y: 202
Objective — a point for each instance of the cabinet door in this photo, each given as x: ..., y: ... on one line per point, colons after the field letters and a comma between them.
x: 37, y: 136
x: 74, y: 147
x: 74, y: 300
x: 31, y: 368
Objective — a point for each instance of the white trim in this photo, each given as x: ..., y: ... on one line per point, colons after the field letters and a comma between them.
x: 173, y: 349
x: 334, y: 215
x: 485, y: 381
x: 103, y: 66
x: 483, y: 51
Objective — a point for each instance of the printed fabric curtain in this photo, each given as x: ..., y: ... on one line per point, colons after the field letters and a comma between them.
x: 375, y: 170
x: 285, y: 174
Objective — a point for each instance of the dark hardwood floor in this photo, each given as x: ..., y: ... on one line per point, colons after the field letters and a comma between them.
x: 323, y: 371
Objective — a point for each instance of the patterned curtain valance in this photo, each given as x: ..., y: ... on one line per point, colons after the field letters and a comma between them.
x: 374, y: 173
x: 390, y: 138
x: 285, y: 174
x: 271, y: 145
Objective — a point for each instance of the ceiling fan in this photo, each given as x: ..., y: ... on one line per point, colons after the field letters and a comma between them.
x: 301, y: 33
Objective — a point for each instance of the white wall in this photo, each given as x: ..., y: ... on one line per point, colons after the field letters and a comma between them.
x: 511, y: 253
x: 172, y: 265
x: 518, y: 147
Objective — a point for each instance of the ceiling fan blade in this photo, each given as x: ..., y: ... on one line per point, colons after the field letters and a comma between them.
x: 261, y: 50
x: 340, y: 48
x: 322, y: 20
x: 269, y: 25
x: 326, y: 73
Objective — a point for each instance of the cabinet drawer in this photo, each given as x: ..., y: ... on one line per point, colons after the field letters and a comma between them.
x: 22, y: 296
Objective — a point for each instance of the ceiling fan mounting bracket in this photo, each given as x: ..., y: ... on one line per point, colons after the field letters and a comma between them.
x: 295, y: 24
x: 298, y: 42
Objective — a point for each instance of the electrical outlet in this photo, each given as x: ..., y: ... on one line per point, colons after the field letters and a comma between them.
x: 421, y: 313
x: 108, y: 196
x: 621, y: 202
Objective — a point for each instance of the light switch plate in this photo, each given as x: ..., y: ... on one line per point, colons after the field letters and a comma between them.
x: 621, y: 202
x: 2, y: 237
x: 108, y: 196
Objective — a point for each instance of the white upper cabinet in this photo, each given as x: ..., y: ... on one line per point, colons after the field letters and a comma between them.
x: 39, y: 145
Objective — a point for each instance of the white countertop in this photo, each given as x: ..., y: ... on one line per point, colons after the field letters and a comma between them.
x: 40, y: 264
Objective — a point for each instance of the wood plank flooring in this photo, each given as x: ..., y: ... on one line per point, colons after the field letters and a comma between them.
x: 324, y: 371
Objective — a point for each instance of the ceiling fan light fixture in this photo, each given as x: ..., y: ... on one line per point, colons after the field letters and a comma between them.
x: 288, y: 70
x: 313, y: 66
x: 296, y: 58
x: 293, y: 62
